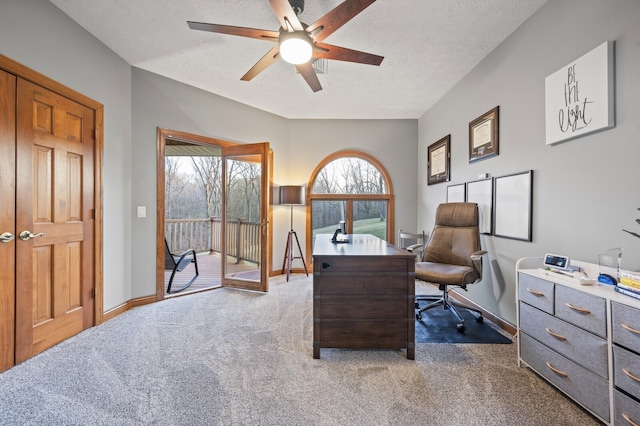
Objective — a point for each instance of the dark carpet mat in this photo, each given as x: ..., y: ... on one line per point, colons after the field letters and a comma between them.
x: 439, y: 326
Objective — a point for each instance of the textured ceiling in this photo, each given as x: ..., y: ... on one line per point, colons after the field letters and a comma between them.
x: 428, y: 46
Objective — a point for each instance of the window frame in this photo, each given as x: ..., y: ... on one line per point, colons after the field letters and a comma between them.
x: 389, y: 197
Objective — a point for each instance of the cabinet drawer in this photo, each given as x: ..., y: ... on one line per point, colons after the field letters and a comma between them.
x: 364, y: 333
x: 589, y: 389
x: 626, y: 326
x: 626, y: 370
x: 536, y: 292
x: 351, y: 264
x: 582, y: 347
x: 581, y: 309
x: 364, y: 308
x: 626, y: 409
x: 364, y: 284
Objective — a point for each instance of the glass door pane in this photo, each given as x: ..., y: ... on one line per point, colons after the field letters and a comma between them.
x: 245, y: 213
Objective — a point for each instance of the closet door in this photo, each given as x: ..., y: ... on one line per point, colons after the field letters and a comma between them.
x: 7, y: 218
x: 55, y: 285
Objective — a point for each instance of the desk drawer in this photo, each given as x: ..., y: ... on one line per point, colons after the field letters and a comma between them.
x: 582, y: 347
x: 587, y: 388
x: 345, y: 307
x: 354, y: 264
x: 626, y: 370
x: 626, y: 326
x: 377, y: 333
x: 626, y: 409
x: 582, y: 309
x: 536, y: 292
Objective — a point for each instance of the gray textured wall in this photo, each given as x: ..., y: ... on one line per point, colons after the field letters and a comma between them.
x: 585, y: 190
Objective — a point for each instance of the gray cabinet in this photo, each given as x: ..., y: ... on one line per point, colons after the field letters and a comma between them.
x: 583, y: 339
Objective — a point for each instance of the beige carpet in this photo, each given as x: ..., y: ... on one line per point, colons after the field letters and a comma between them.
x: 228, y: 357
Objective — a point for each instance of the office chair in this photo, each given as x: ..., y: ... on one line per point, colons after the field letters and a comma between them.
x: 412, y: 242
x: 452, y: 258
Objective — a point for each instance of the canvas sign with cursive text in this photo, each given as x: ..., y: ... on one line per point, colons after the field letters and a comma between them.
x: 579, y: 97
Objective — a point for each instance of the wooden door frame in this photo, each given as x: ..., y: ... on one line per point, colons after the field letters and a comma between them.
x: 162, y: 135
x: 32, y: 76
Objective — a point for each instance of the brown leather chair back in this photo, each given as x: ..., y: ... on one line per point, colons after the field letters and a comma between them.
x: 455, y: 235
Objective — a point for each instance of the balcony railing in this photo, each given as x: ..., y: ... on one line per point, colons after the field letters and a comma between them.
x: 205, y: 235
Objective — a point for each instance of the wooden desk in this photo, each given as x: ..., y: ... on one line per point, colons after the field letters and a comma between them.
x: 363, y: 295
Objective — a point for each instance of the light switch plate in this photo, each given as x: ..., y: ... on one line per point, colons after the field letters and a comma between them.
x: 142, y: 211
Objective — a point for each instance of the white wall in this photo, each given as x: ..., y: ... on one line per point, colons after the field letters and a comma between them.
x: 38, y: 35
x: 585, y: 190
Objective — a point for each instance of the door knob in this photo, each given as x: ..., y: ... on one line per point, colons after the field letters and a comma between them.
x: 6, y: 237
x: 27, y: 235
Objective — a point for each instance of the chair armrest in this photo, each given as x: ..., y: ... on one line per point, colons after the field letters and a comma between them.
x: 478, y: 254
x: 412, y: 247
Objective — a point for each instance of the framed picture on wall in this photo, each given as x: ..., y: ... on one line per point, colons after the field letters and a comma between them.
x: 439, y: 161
x: 481, y: 193
x: 483, y: 136
x: 579, y: 97
x: 512, y: 199
x: 456, y: 193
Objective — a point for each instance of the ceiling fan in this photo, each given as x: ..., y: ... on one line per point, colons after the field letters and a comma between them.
x: 296, y: 38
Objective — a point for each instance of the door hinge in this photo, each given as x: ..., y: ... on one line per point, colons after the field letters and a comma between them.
x: 92, y: 213
x: 95, y: 134
x: 93, y: 293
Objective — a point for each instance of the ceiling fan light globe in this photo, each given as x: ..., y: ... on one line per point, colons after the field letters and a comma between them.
x: 295, y: 49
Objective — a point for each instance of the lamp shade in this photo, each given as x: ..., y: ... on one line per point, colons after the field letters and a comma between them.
x: 292, y: 195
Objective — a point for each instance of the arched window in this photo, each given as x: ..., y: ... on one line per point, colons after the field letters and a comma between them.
x: 354, y: 187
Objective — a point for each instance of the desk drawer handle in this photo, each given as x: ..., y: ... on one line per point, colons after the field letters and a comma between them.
x: 555, y: 370
x: 631, y: 329
x: 576, y: 308
x: 557, y: 336
x: 630, y: 374
x: 628, y: 419
x: 535, y: 293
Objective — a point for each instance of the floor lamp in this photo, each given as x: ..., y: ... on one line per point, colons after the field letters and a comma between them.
x: 292, y: 196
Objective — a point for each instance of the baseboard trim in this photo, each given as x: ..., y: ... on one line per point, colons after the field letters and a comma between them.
x: 112, y: 313
x: 504, y: 325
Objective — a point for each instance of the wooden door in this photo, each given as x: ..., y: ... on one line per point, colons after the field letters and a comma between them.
x: 246, y: 173
x: 55, y: 286
x: 7, y: 218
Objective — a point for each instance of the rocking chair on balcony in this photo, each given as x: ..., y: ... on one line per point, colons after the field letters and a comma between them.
x: 177, y: 262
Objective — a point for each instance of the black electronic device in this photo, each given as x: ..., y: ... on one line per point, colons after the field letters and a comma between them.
x: 337, y: 238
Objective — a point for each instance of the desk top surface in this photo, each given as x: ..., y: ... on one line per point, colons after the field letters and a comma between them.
x: 359, y: 245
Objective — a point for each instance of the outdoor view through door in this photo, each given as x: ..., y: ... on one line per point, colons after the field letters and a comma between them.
x: 220, y: 218
x: 354, y: 187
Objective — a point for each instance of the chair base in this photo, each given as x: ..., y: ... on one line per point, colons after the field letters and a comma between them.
x: 447, y: 304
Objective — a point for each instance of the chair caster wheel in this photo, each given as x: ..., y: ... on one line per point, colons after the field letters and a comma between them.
x: 480, y: 319
x: 418, y: 316
x: 460, y: 328
x: 417, y: 305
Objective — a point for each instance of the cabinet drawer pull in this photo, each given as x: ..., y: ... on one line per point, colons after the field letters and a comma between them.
x: 631, y: 329
x: 630, y: 374
x: 555, y: 370
x: 557, y: 336
x: 576, y: 308
x: 534, y: 292
x: 628, y: 419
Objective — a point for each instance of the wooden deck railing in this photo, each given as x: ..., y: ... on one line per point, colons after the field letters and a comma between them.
x: 243, y: 238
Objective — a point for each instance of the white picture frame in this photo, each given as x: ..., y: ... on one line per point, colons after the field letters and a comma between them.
x: 456, y: 193
x: 481, y: 192
x: 513, y: 204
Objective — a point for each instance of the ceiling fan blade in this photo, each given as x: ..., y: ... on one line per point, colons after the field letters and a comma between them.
x: 237, y: 31
x: 309, y: 75
x: 337, y: 17
x: 286, y: 15
x: 328, y: 51
x: 271, y: 57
